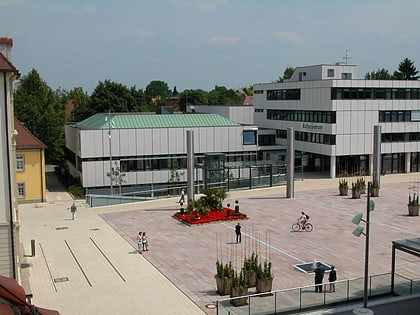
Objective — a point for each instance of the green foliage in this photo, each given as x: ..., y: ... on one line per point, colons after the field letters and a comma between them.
x: 264, y: 272
x: 117, y: 177
x: 359, y: 185
x: 407, y: 70
x: 111, y: 96
x: 157, y: 89
x: 76, y: 191
x: 80, y: 101
x: 287, y: 74
x: 413, y: 201
x: 380, y: 74
x: 33, y: 98
x: 212, y: 199
x: 192, y: 97
x: 343, y: 183
x: 251, y: 263
x: 224, y: 270
x: 220, y: 95
x: 239, y: 280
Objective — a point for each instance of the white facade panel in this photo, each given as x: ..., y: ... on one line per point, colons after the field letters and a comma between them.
x: 128, y: 142
x: 160, y: 141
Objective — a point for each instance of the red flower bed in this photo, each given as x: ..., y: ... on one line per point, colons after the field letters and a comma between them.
x: 214, y: 215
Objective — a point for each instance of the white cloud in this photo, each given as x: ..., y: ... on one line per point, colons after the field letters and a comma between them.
x: 231, y: 40
x: 144, y: 34
x: 85, y: 10
x: 289, y: 37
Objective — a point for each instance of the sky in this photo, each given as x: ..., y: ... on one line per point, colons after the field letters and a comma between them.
x: 200, y: 44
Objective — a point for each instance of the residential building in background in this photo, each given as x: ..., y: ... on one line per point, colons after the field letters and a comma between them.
x: 30, y: 166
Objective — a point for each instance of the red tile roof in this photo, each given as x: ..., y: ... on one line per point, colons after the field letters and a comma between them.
x: 25, y: 139
x: 6, y: 65
x: 6, y: 41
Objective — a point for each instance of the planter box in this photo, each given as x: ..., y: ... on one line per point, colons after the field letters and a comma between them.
x: 355, y: 194
x: 251, y: 278
x: 239, y: 292
x: 413, y: 210
x: 264, y: 285
x: 224, y: 285
x: 344, y: 191
x: 374, y: 192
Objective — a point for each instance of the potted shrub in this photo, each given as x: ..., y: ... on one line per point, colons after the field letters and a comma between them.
x: 343, y: 187
x: 374, y: 189
x: 239, y: 288
x: 250, y: 269
x: 356, y: 190
x: 362, y: 183
x: 264, y: 278
x: 413, y: 205
x: 224, y: 278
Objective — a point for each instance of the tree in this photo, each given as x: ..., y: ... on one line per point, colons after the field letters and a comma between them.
x: 192, y: 97
x: 111, y: 96
x: 248, y: 91
x: 220, y: 95
x: 380, y: 74
x: 407, y: 70
x: 80, y: 101
x: 157, y: 89
x: 116, y: 176
x: 40, y: 109
x: 287, y: 74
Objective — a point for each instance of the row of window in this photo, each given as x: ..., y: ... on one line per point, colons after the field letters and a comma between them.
x: 324, y: 117
x: 308, y: 137
x: 339, y: 93
x: 283, y: 95
x: 395, y: 116
x: 400, y: 137
x: 150, y: 163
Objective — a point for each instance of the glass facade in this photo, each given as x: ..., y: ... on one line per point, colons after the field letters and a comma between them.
x: 345, y: 93
x: 323, y: 117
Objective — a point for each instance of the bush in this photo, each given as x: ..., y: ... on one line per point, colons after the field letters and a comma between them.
x: 77, y: 191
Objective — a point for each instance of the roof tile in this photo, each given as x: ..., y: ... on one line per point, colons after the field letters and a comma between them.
x: 25, y: 139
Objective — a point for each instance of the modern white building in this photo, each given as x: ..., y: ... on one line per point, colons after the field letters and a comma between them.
x: 333, y: 115
x: 148, y: 149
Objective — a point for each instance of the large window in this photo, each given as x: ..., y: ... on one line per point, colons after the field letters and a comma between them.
x: 20, y: 163
x: 345, y: 93
x: 283, y: 95
x: 21, y: 190
x: 250, y: 137
x: 323, y: 117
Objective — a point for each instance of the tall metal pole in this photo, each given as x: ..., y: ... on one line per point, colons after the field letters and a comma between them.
x: 377, y: 154
x: 366, y: 281
x: 290, y: 163
x: 110, y: 152
x: 190, y: 168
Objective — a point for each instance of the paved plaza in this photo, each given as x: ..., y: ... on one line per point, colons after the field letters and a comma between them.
x: 90, y: 265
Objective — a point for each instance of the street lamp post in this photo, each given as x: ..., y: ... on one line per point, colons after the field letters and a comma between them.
x: 370, y: 206
x: 110, y: 152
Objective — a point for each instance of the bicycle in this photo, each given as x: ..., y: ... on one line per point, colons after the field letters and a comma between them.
x: 308, y: 227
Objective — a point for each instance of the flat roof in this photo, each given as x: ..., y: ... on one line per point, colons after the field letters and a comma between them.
x: 141, y: 121
x: 410, y: 245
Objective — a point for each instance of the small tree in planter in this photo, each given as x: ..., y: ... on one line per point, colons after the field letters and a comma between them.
x: 239, y: 288
x: 343, y: 187
x: 356, y: 189
x: 224, y: 277
x: 374, y: 189
x: 264, y: 278
x: 250, y: 269
x: 413, y: 205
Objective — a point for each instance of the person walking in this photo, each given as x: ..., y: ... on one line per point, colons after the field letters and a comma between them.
x: 73, y: 210
x: 182, y: 196
x: 139, y: 242
x: 319, y: 277
x: 332, y: 278
x: 238, y: 233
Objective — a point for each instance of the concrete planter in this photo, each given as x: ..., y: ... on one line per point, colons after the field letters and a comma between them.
x: 264, y: 285
x: 224, y: 285
x: 413, y: 210
x: 237, y: 292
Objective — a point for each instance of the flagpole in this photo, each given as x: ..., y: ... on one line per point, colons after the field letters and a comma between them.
x: 110, y: 152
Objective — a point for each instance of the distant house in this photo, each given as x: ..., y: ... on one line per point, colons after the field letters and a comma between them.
x: 30, y: 166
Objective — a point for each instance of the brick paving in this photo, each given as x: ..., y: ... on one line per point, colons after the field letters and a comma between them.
x: 176, y: 276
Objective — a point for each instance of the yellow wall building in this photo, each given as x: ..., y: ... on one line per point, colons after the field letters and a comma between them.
x: 30, y: 166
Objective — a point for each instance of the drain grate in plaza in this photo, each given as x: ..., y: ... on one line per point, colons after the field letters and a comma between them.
x: 62, y: 279
x: 95, y: 229
x: 308, y: 267
x: 62, y: 228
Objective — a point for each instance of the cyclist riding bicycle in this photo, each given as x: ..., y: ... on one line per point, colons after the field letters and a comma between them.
x: 303, y: 219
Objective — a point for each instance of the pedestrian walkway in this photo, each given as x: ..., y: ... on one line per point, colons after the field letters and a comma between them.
x: 90, y: 265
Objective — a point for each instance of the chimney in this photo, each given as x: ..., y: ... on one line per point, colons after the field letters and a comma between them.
x: 6, y: 45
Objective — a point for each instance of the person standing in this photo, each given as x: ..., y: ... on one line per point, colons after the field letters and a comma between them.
x: 319, y: 277
x: 73, y: 210
x: 238, y: 233
x: 139, y: 242
x: 332, y: 278
x: 145, y: 242
x: 182, y: 196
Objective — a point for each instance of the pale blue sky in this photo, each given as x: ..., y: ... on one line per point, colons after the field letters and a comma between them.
x: 197, y: 44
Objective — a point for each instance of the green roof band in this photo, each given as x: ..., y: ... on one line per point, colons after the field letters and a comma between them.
x: 139, y: 121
